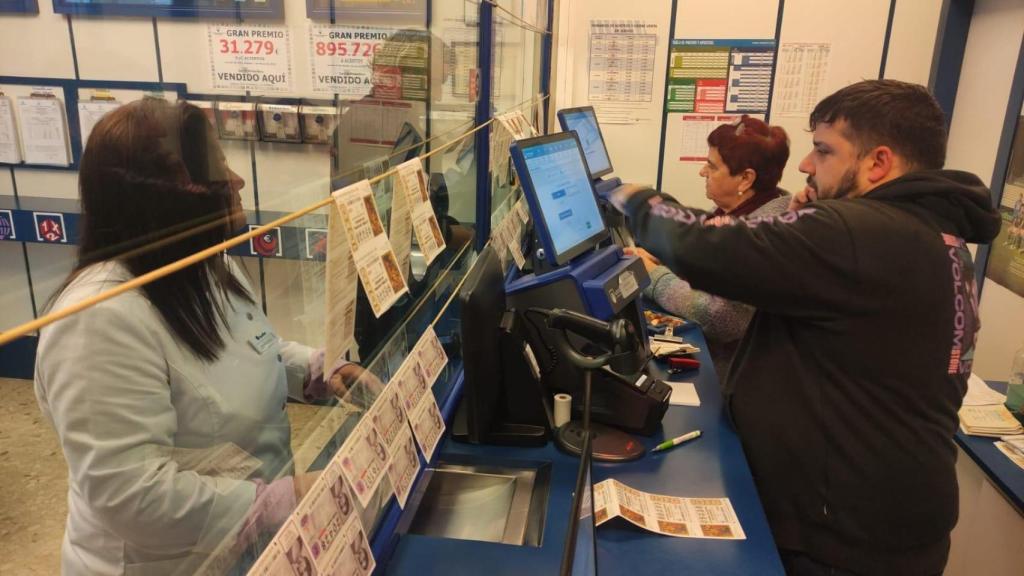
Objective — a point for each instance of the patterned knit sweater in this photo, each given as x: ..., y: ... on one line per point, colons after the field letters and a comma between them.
x: 724, y: 321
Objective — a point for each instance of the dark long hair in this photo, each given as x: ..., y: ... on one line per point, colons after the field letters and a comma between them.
x: 155, y: 189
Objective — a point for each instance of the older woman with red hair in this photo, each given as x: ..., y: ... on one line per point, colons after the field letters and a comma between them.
x: 741, y: 176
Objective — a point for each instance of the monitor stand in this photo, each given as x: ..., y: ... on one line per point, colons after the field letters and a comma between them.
x: 607, y: 444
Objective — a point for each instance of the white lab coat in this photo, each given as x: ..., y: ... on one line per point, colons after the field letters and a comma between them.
x: 121, y: 392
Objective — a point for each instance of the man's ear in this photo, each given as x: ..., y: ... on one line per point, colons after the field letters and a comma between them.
x: 882, y: 165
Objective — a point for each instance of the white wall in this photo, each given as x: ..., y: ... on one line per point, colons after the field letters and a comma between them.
x: 990, y: 59
x: 633, y: 148
x: 855, y: 30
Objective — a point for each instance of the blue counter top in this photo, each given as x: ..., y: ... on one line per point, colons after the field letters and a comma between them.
x: 711, y: 466
x: 1006, y: 475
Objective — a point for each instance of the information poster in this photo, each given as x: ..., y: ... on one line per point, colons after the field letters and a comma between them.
x: 716, y: 76
x: 44, y: 132
x: 1006, y: 257
x: 801, y: 74
x: 10, y: 150
x: 341, y: 58
x: 250, y: 57
x: 89, y: 114
x: 622, y: 60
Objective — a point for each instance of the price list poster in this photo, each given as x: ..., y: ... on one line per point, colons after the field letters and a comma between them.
x: 711, y: 82
x: 621, y: 68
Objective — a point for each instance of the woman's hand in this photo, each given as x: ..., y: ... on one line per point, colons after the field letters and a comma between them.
x: 650, y: 262
x: 345, y: 376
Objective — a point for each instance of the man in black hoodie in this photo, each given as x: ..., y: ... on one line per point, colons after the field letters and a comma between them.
x: 846, y: 387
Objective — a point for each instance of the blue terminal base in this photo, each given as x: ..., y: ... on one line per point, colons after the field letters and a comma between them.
x: 596, y: 275
x: 711, y: 466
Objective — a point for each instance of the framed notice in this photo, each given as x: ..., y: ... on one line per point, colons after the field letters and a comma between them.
x: 398, y: 9
x: 234, y: 9
x: 19, y: 6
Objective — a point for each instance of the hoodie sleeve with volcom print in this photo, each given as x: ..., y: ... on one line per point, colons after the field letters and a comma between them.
x: 796, y: 263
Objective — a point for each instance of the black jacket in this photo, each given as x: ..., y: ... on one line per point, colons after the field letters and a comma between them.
x: 846, y: 387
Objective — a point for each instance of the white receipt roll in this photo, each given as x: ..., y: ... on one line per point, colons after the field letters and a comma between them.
x: 563, y: 409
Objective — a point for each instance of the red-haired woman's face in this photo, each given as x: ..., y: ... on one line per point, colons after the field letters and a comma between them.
x: 726, y: 190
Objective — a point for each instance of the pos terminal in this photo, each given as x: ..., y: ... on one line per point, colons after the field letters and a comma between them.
x: 571, y: 271
x: 583, y: 121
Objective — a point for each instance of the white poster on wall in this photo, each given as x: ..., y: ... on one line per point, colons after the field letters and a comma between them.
x: 621, y: 69
x: 89, y: 114
x: 250, y: 57
x: 799, y: 76
x: 693, y: 144
x: 342, y: 58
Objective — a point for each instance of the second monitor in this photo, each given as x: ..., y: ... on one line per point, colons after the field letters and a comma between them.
x: 583, y: 121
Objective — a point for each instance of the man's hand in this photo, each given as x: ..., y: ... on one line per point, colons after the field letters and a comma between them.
x: 803, y: 198
x: 650, y: 262
x: 621, y: 195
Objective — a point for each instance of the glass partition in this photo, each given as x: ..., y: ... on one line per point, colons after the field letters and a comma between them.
x: 223, y: 385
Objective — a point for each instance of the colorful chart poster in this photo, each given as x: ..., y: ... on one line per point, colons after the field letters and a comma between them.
x: 1006, y: 257
x: 717, y: 76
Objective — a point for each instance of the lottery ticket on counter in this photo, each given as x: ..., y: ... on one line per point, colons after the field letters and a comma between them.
x: 353, y: 556
x: 342, y: 278
x: 405, y: 464
x: 412, y: 184
x: 364, y: 459
x: 387, y: 415
x: 286, y: 555
x: 431, y: 354
x: 510, y: 234
x: 413, y: 382
x: 427, y: 425
x: 522, y: 210
x: 667, y: 515
x: 324, y: 513
x: 375, y: 260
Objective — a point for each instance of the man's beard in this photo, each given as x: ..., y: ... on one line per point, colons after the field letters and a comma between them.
x: 846, y: 186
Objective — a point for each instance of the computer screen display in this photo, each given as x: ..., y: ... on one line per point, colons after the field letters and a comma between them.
x: 584, y: 122
x: 407, y: 144
x: 558, y: 187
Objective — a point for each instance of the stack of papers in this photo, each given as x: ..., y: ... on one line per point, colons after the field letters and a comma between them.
x: 1013, y: 447
x: 979, y: 394
x: 990, y: 420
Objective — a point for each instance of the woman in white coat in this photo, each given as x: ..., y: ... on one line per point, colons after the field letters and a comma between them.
x: 154, y: 391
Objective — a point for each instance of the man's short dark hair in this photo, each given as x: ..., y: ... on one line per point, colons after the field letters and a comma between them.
x: 900, y: 115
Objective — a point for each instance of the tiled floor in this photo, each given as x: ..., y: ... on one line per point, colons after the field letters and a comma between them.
x: 33, y: 485
x: 33, y: 480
